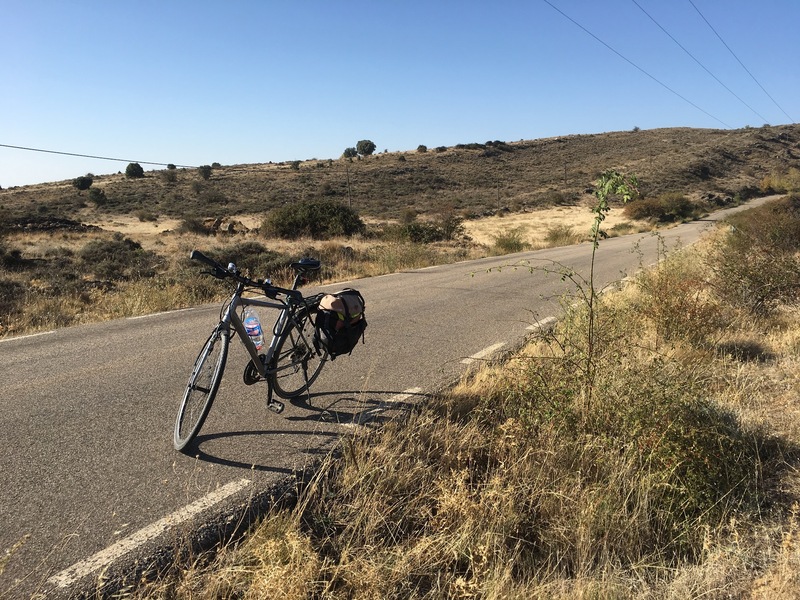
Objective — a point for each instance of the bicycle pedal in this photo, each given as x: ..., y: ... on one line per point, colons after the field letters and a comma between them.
x: 276, y: 406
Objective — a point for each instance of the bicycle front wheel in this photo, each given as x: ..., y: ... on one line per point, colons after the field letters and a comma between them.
x: 202, y: 387
x: 297, y: 361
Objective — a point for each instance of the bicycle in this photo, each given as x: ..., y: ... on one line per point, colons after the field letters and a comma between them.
x: 289, y: 364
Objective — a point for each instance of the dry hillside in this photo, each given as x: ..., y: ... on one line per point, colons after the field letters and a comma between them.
x: 472, y: 179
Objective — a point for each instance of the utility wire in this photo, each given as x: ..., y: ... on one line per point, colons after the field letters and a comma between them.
x: 763, y: 119
x: 633, y: 64
x: 740, y: 62
x: 143, y: 162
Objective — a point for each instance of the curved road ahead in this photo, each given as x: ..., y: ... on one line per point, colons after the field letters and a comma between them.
x: 91, y: 481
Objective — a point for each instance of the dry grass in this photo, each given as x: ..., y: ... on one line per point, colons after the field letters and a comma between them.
x: 679, y: 481
x: 539, y: 228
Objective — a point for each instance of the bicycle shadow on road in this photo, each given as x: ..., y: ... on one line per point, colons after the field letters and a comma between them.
x: 218, y: 458
x: 330, y: 414
x: 353, y: 408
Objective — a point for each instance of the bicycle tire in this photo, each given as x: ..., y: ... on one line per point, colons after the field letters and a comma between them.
x: 297, y: 362
x: 201, y: 388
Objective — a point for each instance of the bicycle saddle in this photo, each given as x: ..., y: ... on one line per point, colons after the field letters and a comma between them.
x: 306, y: 265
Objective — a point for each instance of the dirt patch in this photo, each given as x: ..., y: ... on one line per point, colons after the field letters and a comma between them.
x: 533, y: 226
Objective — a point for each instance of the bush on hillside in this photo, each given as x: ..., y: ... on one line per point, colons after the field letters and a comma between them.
x: 757, y: 265
x: 445, y: 228
x: 84, y: 182
x: 98, y: 196
x: 318, y: 219
x: 667, y: 208
x: 251, y: 257
x: 119, y: 258
x: 134, y: 171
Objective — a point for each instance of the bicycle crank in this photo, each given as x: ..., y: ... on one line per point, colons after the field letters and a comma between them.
x: 251, y: 375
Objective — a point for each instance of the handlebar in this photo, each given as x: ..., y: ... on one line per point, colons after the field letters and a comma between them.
x: 221, y: 272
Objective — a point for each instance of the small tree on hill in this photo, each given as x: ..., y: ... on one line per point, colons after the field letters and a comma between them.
x: 84, y: 182
x: 134, y: 171
x: 204, y: 171
x: 350, y: 153
x: 365, y: 147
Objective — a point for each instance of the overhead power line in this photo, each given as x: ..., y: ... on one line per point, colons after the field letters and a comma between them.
x: 633, y: 64
x: 142, y: 162
x: 741, y: 63
x: 764, y: 119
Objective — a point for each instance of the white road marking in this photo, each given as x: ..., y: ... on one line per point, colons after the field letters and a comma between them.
x: 543, y: 324
x: 105, y: 557
x: 22, y: 337
x: 483, y: 353
x: 163, y: 312
x: 383, y: 406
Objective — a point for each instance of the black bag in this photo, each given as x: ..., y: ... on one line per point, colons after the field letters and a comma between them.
x: 340, y: 322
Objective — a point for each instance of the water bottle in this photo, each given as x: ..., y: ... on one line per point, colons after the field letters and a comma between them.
x: 253, y: 327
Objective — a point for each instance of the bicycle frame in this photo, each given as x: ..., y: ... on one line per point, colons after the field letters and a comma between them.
x: 231, y: 318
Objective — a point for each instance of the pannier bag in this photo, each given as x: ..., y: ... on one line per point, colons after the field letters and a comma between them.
x: 340, y: 322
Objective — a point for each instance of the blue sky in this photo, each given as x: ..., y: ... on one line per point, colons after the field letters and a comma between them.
x: 196, y: 82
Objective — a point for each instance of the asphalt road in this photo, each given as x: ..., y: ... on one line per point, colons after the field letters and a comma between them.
x: 90, y: 479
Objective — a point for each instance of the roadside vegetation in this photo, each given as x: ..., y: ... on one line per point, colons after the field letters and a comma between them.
x: 56, y: 280
x: 645, y: 447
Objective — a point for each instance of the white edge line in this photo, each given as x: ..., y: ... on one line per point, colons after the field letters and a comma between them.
x: 163, y: 312
x: 105, y: 557
x: 483, y: 353
x: 23, y: 337
x: 543, y: 324
x: 147, y: 316
x: 401, y: 397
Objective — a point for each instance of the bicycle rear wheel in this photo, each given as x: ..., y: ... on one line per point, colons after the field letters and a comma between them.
x: 202, y: 387
x: 297, y: 361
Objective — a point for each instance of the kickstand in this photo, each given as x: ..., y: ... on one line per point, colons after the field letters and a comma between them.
x: 275, y: 406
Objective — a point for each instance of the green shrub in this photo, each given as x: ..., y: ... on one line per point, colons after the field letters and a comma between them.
x: 365, y: 147
x: 562, y: 235
x: 509, y: 242
x: 251, y: 257
x: 204, y: 171
x: 445, y: 228
x: 119, y: 258
x: 84, y: 182
x: 98, y: 196
x: 317, y: 219
x: 134, y: 171
x: 667, y: 208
